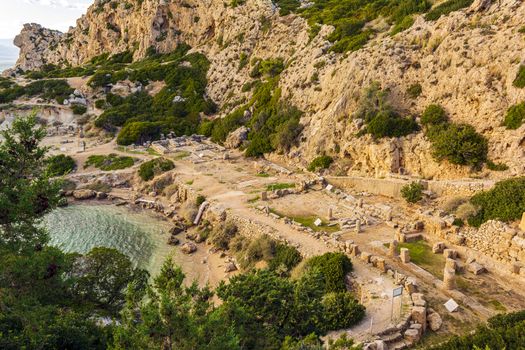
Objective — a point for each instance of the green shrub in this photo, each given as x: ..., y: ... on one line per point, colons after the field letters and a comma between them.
x: 519, y: 82
x: 321, y: 162
x: 505, y: 202
x: 391, y: 125
x: 341, y: 310
x: 496, y: 166
x: 415, y: 90
x: 459, y: 144
x: 379, y: 117
x: 109, y: 162
x: 58, y: 90
x: 221, y: 236
x: 140, y: 132
x: 150, y: 169
x: 60, y: 165
x: 412, y: 192
x: 515, y: 116
x: 200, y: 199
x: 284, y: 255
x: 287, y: 6
x: 79, y: 109
x: 447, y: 7
x: 434, y: 115
x: 333, y: 267
x: 501, y: 332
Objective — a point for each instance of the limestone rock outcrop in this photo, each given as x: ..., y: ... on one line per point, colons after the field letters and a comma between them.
x: 465, y: 61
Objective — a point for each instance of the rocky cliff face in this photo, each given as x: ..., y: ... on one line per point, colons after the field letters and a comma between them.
x: 465, y: 61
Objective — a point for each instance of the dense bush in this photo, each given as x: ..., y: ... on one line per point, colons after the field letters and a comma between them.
x: 412, y: 192
x: 58, y: 90
x: 274, y: 124
x: 505, y: 202
x: 284, y: 256
x: 341, y: 309
x: 515, y: 116
x: 501, y: 332
x: 349, y: 18
x: 434, y: 115
x: 109, y: 162
x: 79, y: 109
x: 459, y: 144
x: 447, y: 7
x: 148, y: 170
x: 334, y: 267
x: 60, y: 165
x: 414, y: 90
x: 519, y: 82
x: 321, y: 162
x: 379, y: 117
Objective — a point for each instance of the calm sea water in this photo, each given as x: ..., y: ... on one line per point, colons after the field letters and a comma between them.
x: 79, y: 228
x: 8, y: 54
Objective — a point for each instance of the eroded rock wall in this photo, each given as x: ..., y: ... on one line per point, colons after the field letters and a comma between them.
x: 465, y: 61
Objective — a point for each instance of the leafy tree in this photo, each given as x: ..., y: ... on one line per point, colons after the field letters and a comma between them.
x: 60, y: 165
x: 172, y: 316
x: 102, y: 277
x: 341, y: 310
x: 334, y: 267
x: 26, y: 193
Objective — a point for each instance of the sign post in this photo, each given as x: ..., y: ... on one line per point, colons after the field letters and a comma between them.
x: 396, y: 292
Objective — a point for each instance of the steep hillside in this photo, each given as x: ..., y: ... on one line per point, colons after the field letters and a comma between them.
x: 466, y: 61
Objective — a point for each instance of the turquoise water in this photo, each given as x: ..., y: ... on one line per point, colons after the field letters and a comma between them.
x: 79, y: 228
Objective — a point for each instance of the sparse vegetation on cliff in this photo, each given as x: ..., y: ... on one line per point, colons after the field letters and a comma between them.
x: 379, y: 117
x: 515, y: 116
x: 321, y: 162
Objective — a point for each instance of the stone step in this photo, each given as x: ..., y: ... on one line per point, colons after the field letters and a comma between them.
x: 392, y: 337
x: 412, y: 237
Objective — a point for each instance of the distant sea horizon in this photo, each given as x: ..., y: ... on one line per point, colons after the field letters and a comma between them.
x: 8, y: 54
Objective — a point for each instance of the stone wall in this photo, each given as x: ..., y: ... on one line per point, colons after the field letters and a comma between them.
x: 391, y: 187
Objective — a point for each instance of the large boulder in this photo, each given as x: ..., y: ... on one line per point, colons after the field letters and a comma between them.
x: 237, y: 137
x: 84, y: 194
x: 434, y: 321
x: 189, y: 248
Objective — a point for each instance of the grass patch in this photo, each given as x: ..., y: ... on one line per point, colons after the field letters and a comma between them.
x: 180, y: 155
x: 152, y: 152
x: 254, y: 199
x: 263, y: 175
x: 125, y: 149
x: 421, y: 255
x: 109, y: 162
x: 308, y: 221
x: 279, y: 186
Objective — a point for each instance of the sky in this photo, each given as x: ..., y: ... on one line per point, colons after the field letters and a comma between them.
x: 53, y: 14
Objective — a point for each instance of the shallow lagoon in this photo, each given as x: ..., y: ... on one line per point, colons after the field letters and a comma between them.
x: 81, y: 227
